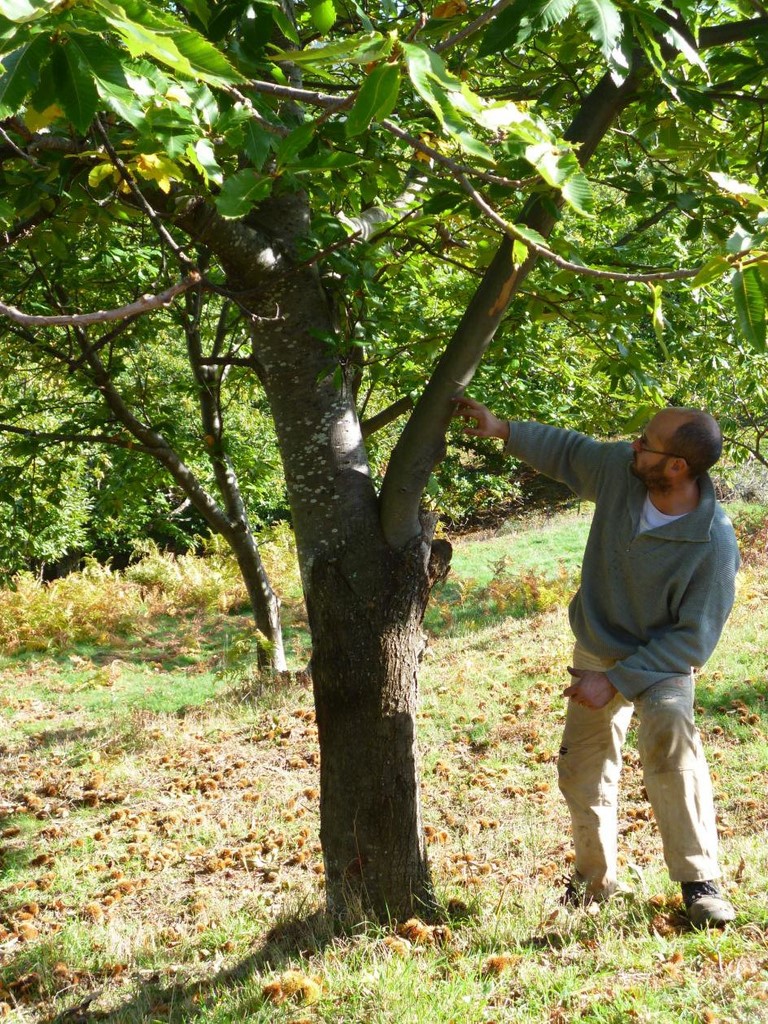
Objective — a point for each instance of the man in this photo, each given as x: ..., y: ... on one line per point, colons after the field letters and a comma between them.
x: 657, y: 586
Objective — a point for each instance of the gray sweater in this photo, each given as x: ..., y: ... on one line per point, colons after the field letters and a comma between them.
x: 656, y: 602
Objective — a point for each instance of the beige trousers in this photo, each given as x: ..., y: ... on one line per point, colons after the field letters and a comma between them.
x: 675, y: 774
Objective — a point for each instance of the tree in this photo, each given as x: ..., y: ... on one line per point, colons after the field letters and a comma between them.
x: 128, y: 393
x: 311, y: 152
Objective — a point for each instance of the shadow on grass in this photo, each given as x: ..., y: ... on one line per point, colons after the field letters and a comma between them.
x: 59, y: 737
x: 183, y: 642
x: 179, y: 1003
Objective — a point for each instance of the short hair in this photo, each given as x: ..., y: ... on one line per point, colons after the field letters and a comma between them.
x: 698, y: 440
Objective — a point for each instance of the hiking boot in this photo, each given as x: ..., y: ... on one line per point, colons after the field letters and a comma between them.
x: 706, y: 907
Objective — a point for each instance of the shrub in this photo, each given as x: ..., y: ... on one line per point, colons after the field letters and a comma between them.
x: 187, y: 582
x: 88, y: 606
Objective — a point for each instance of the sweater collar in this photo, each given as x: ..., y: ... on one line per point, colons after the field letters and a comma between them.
x: 693, y: 526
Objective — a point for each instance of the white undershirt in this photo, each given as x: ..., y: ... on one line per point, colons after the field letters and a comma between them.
x: 651, y: 518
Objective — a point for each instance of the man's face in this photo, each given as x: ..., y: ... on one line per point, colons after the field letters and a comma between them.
x: 651, y: 454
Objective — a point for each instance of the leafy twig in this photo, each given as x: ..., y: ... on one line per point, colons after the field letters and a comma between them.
x: 141, y: 199
x: 577, y: 268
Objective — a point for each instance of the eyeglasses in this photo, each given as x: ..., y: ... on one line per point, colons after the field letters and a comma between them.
x: 657, y: 451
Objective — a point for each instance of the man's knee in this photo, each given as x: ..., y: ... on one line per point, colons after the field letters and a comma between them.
x: 669, y: 742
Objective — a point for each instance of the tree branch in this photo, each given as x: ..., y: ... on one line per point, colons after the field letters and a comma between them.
x: 153, y: 441
x: 137, y: 308
x: 46, y: 435
x: 422, y: 147
x: 422, y: 442
x: 578, y: 268
x: 736, y: 32
x: 388, y: 415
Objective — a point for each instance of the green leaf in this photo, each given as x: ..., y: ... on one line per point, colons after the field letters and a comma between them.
x: 711, y: 271
x: 657, y: 312
x: 115, y: 90
x: 522, y: 19
x: 141, y: 40
x: 365, y: 21
x: 519, y: 252
x: 577, y: 192
x: 257, y: 143
x: 256, y: 28
x: 507, y: 29
x: 529, y: 235
x: 202, y: 156
x: 362, y: 48
x: 75, y: 89
x: 472, y: 146
x: 602, y: 21
x: 286, y: 26
x: 290, y: 147
x: 425, y: 66
x: 208, y: 64
x: 22, y: 73
x: 740, y: 240
x: 166, y: 39
x: 649, y: 43
x: 326, y: 160
x: 200, y: 9
x: 560, y: 168
x: 743, y: 191
x: 377, y: 98
x: 322, y: 14
x: 122, y: 102
x: 23, y: 10
x: 7, y: 213
x: 509, y: 117
x: 750, y: 306
x: 241, y: 192
x: 447, y: 96
x: 546, y: 13
x: 689, y: 51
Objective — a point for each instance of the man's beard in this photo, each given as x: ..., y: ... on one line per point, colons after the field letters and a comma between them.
x: 653, y: 477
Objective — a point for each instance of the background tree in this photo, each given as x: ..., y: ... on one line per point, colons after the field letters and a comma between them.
x: 159, y: 397
x: 308, y: 150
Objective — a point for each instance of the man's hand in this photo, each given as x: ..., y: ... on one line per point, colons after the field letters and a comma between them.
x: 487, y: 425
x: 591, y: 689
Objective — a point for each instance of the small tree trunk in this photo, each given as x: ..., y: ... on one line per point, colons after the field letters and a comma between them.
x: 265, y: 603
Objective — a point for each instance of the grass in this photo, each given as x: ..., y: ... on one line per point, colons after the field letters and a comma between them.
x: 159, y: 826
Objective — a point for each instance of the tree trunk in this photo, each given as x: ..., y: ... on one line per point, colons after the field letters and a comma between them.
x: 366, y: 613
x: 365, y: 599
x: 234, y: 524
x: 265, y: 603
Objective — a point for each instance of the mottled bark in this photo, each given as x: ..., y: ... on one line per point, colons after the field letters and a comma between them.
x: 366, y: 608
